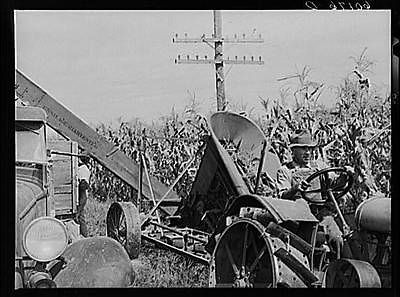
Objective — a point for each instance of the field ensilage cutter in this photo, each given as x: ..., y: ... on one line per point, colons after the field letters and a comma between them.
x: 247, y: 238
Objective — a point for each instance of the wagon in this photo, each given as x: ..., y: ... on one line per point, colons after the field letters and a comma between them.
x: 250, y: 239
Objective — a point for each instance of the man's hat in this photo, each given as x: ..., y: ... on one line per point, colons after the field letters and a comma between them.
x: 302, y: 139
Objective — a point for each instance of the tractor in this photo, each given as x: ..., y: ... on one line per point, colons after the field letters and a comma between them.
x: 250, y: 239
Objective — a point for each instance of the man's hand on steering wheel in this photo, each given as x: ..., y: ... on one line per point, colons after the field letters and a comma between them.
x: 302, y: 186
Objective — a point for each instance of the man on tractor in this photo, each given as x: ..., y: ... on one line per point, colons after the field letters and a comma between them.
x: 293, y: 181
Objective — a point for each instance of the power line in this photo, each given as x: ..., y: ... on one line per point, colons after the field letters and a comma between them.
x: 218, y: 60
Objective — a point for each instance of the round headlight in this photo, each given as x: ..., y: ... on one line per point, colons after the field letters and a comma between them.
x: 45, y: 239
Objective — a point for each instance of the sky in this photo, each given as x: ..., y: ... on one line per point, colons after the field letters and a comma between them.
x: 103, y: 65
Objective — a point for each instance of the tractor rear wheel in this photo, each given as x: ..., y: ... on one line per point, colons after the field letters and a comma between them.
x: 123, y: 225
x: 247, y: 255
x: 242, y: 258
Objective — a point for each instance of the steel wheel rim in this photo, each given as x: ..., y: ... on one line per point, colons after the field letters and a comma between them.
x: 243, y: 260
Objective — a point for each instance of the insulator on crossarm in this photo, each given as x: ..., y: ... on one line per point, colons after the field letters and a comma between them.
x: 205, y: 57
x: 259, y: 58
x: 179, y: 57
x: 244, y: 36
x: 235, y: 57
x: 187, y: 57
x: 176, y: 35
x: 197, y: 57
x: 244, y: 58
x: 252, y: 58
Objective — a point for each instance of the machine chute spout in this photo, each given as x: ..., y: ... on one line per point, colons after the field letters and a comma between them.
x: 246, y: 137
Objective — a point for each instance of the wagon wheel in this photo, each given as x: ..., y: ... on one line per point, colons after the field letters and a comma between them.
x: 242, y: 258
x: 123, y: 225
x: 346, y: 273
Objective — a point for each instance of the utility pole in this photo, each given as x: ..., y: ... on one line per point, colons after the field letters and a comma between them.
x: 219, y: 64
x: 218, y: 60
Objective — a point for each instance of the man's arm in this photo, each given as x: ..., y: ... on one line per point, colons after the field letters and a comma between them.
x: 284, y: 185
x: 285, y: 189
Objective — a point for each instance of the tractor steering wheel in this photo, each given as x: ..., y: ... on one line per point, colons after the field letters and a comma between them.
x: 326, y: 186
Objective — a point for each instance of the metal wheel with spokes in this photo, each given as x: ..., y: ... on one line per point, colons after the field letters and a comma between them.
x: 242, y: 258
x: 123, y: 225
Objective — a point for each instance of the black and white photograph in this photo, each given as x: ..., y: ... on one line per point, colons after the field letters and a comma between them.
x: 204, y: 148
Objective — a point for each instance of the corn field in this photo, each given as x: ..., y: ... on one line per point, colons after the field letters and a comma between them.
x: 356, y: 132
x: 166, y: 149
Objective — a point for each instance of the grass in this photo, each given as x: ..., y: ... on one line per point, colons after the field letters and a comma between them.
x: 155, y: 267
x: 161, y: 268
